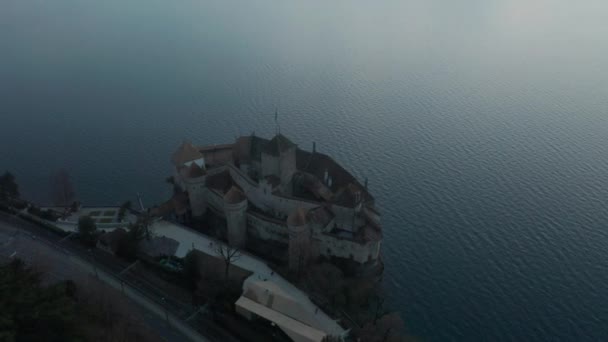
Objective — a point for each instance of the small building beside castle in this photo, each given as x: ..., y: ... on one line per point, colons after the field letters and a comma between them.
x: 271, y: 190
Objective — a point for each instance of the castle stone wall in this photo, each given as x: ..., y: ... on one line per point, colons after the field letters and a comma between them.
x: 286, y: 205
x: 287, y: 167
x: 197, y: 195
x: 300, y: 246
x: 266, y: 229
x: 216, y: 200
x: 218, y: 157
x: 236, y: 219
x: 270, y: 165
x: 345, y: 217
x: 330, y: 246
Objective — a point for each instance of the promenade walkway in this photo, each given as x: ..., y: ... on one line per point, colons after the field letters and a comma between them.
x: 189, y: 239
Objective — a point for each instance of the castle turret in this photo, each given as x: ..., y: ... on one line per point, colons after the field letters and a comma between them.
x: 195, y: 186
x: 300, y: 239
x: 235, y: 208
x: 279, y: 159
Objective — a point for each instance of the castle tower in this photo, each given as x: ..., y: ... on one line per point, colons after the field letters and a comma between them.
x: 279, y: 159
x: 300, y: 239
x: 235, y: 208
x: 287, y: 167
x: 195, y: 186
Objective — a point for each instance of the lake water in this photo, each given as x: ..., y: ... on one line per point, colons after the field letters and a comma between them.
x: 481, y: 125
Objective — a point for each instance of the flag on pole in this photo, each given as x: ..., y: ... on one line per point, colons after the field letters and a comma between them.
x: 276, y: 115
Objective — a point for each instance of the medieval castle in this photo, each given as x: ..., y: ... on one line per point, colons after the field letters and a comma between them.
x: 271, y: 190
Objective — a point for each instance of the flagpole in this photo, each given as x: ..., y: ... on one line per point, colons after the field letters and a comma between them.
x: 276, y: 121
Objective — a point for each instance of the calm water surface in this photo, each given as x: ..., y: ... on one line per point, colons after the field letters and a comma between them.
x: 481, y: 125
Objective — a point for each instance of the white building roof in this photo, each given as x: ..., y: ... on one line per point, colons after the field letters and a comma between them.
x: 267, y: 293
x: 296, y: 330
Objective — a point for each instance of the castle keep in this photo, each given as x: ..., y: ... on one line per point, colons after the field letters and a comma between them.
x: 271, y: 190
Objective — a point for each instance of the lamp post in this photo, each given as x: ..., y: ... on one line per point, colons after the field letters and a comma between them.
x: 166, y: 310
x: 93, y: 262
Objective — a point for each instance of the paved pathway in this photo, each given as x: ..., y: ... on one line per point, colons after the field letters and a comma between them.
x: 63, y: 264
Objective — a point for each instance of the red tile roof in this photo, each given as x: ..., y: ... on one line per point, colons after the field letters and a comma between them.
x: 196, y: 171
x: 220, y: 182
x: 185, y: 152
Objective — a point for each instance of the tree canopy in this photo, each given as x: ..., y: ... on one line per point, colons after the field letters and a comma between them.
x: 32, y: 311
x: 191, y: 271
x: 123, y: 210
x: 388, y: 328
x: 8, y: 186
x: 87, y: 228
x: 62, y: 191
x: 128, y: 246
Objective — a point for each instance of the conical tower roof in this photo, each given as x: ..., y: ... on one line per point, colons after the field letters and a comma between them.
x: 234, y: 195
x: 196, y: 171
x: 185, y: 152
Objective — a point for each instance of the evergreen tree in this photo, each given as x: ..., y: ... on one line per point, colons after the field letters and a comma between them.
x: 129, y: 245
x: 191, y: 271
x: 8, y: 187
x: 31, y: 311
x: 87, y: 229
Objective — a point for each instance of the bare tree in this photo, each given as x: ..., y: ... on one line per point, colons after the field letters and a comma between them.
x: 145, y: 222
x: 62, y: 191
x: 229, y: 254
